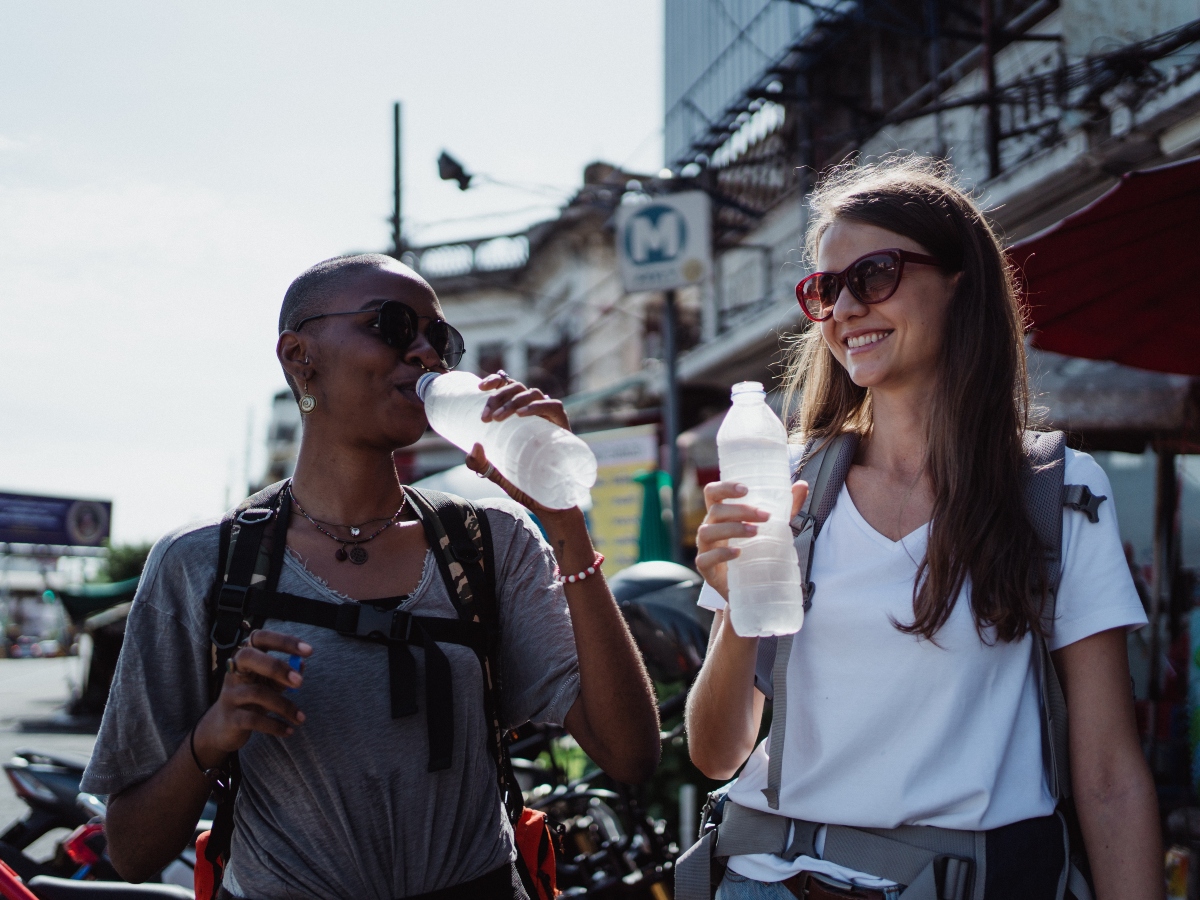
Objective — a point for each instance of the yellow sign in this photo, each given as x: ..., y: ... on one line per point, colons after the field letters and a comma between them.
x: 616, y: 515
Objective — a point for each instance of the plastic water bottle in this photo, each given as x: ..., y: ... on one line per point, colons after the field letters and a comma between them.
x: 765, y: 597
x: 548, y: 463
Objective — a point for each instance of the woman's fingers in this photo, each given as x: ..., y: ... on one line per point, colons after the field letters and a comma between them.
x: 735, y: 512
x: 261, y: 639
x: 799, y: 494
x: 254, y: 663
x: 708, y: 561
x: 501, y: 397
x: 477, y: 460
x: 709, y: 535
x: 266, y: 700
x: 717, y: 491
x: 551, y: 410
x: 495, y: 380
x: 249, y: 720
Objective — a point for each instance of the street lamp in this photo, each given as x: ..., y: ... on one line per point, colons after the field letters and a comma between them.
x: 450, y: 169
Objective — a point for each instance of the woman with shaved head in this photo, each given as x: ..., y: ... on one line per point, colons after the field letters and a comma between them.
x: 344, y: 791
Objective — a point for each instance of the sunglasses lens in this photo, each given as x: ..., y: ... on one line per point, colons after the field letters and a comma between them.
x: 874, y: 279
x: 817, y: 295
x: 397, y: 324
x: 447, y: 341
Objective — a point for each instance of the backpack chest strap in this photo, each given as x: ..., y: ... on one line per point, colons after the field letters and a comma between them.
x: 399, y: 630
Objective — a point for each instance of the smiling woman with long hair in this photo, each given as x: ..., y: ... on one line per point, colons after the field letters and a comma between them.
x: 344, y: 792
x: 913, y: 688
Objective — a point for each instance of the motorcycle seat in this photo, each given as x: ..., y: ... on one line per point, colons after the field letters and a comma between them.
x: 48, y: 888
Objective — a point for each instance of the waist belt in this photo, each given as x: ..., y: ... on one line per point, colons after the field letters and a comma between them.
x: 932, y: 863
x: 399, y: 630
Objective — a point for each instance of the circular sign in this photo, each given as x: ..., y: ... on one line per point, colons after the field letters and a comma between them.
x: 87, y: 523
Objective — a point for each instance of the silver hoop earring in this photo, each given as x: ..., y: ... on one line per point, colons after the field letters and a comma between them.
x: 307, y: 401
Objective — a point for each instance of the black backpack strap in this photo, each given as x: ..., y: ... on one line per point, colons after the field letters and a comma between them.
x: 461, y: 539
x: 250, y: 555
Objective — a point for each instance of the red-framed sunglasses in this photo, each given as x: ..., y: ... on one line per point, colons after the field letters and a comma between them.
x: 872, y: 279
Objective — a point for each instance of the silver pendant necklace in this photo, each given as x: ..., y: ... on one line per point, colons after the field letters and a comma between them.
x: 351, y: 550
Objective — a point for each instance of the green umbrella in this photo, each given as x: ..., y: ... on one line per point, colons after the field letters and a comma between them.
x: 654, y: 541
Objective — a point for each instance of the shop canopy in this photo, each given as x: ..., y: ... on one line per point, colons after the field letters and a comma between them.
x: 1120, y: 279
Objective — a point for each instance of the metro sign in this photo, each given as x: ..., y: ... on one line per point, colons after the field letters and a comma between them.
x: 665, y: 243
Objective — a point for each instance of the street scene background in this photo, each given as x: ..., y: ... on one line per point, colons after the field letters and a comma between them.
x: 610, y: 203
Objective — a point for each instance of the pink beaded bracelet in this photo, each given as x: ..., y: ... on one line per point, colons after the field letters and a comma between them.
x: 590, y: 570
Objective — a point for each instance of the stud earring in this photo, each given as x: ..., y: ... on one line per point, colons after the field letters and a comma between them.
x: 307, y: 401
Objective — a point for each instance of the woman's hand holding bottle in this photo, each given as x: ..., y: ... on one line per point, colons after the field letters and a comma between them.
x: 727, y: 519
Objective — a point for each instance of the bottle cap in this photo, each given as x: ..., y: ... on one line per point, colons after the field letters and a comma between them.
x: 745, y: 387
x: 424, y: 382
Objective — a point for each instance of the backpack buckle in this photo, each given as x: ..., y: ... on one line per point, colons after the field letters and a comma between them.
x: 385, y: 624
x: 801, y: 522
x: 254, y: 516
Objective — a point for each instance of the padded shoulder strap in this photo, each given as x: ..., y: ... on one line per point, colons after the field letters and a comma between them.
x: 1045, y: 452
x: 825, y: 469
x: 461, y: 538
x: 250, y: 552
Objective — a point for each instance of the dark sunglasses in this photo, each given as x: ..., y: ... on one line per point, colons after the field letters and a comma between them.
x: 871, y: 279
x: 399, y: 325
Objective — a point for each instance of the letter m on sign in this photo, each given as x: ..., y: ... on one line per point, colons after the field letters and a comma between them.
x: 655, y: 234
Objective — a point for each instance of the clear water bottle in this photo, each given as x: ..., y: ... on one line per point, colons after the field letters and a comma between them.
x: 765, y: 597
x: 548, y: 463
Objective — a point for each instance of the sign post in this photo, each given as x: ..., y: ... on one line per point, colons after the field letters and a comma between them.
x: 662, y: 245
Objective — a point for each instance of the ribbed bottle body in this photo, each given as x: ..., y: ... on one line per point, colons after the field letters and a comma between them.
x: 550, y: 464
x: 765, y: 597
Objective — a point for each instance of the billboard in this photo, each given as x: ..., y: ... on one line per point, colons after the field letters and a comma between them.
x: 26, y: 519
x: 665, y: 243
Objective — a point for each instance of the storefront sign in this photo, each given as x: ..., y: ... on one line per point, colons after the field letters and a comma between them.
x: 616, y: 514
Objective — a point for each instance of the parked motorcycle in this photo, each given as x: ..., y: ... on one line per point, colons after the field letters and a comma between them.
x: 49, y: 785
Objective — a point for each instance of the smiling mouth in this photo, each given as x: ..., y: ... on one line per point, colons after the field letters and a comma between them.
x: 866, y: 340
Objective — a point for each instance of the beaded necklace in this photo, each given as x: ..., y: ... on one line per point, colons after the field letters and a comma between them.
x: 356, y: 554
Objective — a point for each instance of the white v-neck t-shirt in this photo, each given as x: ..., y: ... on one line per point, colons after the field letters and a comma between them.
x: 887, y: 729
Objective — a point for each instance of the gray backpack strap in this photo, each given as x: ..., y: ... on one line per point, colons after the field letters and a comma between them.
x: 825, y: 471
x: 1045, y: 497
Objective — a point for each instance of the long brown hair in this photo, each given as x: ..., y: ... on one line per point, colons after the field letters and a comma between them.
x: 980, y: 405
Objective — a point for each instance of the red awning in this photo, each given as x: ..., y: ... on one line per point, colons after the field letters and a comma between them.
x: 1120, y: 279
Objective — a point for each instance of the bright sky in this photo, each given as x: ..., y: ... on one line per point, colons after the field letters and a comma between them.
x: 167, y: 169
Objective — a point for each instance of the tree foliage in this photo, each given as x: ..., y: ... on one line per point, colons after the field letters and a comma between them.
x: 124, y: 561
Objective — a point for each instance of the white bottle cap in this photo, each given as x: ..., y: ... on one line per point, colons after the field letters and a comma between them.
x: 424, y: 382
x: 747, y: 387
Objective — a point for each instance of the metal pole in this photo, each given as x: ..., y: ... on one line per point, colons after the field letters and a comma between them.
x: 989, y: 88
x: 671, y: 418
x: 397, y: 240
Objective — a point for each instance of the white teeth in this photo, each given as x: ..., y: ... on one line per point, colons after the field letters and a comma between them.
x: 863, y: 339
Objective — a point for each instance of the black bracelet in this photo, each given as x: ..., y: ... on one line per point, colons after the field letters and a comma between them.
x: 214, y: 774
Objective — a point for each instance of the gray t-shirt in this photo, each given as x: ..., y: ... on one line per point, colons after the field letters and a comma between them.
x: 345, y: 807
